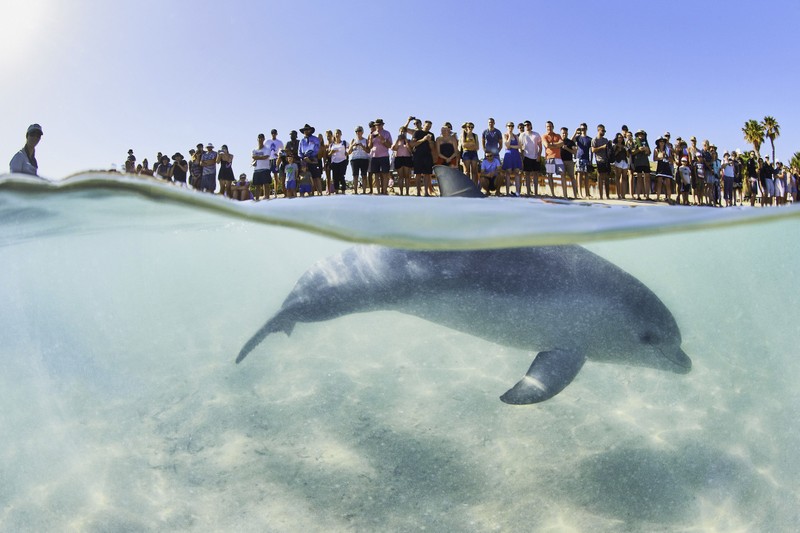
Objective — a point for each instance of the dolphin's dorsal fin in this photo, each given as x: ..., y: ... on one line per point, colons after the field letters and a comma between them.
x: 453, y: 182
x: 549, y: 373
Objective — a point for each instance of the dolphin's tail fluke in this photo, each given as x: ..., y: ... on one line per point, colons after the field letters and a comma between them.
x: 273, y: 325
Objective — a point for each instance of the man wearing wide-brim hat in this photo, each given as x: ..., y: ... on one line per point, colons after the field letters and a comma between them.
x: 308, y: 151
x: 378, y: 144
x: 179, y: 169
x: 24, y: 161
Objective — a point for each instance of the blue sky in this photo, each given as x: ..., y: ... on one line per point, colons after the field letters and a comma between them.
x: 105, y: 76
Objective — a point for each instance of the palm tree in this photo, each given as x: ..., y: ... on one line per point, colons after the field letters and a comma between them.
x: 754, y: 134
x: 795, y: 163
x: 772, y: 130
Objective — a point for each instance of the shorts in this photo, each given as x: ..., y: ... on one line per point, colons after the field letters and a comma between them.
x: 492, y: 185
x: 359, y: 166
x: 315, y: 170
x: 531, y: 165
x: 582, y: 165
x: 423, y: 164
x: 769, y: 187
x: 305, y: 188
x: 291, y: 184
x: 262, y: 177
x: 469, y: 155
x: 603, y: 167
x: 379, y: 165
x: 208, y: 182
x: 403, y: 162
x: 273, y: 165
x: 554, y: 166
x: 642, y: 168
x: 780, y: 188
x: 622, y: 165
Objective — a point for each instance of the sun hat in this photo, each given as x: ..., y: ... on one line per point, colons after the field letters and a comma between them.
x: 379, y: 121
x: 307, y: 127
x: 177, y: 155
x: 209, y: 145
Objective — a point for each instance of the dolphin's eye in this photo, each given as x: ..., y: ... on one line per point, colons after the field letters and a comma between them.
x: 648, y: 337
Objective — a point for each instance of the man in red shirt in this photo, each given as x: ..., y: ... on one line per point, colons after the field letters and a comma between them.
x: 553, y: 164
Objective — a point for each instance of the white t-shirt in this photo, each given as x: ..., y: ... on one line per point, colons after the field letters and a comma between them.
x: 262, y: 164
x: 531, y: 144
x: 274, y: 146
x: 339, y: 152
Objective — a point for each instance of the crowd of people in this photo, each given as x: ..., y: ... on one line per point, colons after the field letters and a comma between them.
x: 580, y: 165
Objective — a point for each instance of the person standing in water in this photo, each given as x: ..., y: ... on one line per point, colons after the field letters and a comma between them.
x: 24, y: 161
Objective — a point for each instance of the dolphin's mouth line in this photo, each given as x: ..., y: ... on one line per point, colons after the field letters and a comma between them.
x: 682, y: 363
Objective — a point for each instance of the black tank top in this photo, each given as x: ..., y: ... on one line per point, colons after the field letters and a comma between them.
x: 178, y: 173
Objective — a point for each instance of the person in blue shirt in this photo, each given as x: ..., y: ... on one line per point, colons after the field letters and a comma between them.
x: 24, y: 161
x: 583, y: 157
x: 490, y: 170
x: 492, y: 140
x: 308, y: 151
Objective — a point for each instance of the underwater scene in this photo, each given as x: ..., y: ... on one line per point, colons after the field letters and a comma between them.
x: 404, y: 364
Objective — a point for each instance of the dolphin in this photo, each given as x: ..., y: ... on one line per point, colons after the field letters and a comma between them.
x: 564, y: 302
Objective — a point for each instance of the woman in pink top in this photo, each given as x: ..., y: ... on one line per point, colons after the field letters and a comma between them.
x: 403, y: 163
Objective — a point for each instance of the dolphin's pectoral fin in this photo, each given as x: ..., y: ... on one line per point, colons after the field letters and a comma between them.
x: 274, y: 325
x: 549, y: 373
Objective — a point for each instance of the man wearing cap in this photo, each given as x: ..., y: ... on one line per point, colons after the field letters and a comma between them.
x: 275, y: 146
x: 379, y: 143
x: 24, y: 161
x: 208, y: 161
x: 308, y: 150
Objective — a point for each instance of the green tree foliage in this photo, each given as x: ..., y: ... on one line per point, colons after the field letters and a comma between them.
x: 754, y: 134
x: 772, y: 130
x: 795, y: 162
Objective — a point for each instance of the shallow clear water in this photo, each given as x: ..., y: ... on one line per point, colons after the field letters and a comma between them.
x: 124, y: 305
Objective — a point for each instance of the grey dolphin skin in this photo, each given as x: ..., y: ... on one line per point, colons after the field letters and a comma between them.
x: 570, y: 305
x: 570, y: 302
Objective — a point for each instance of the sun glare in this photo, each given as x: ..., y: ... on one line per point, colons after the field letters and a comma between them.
x: 25, y: 22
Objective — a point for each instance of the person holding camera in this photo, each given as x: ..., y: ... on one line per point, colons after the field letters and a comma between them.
x: 379, y: 143
x: 422, y: 144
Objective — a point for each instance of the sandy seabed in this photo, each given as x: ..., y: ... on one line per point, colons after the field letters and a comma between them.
x: 122, y: 410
